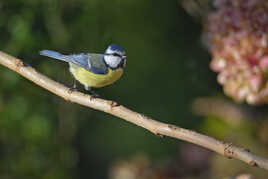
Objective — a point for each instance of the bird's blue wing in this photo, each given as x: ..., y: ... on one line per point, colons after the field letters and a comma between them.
x: 79, y: 59
x: 91, y: 62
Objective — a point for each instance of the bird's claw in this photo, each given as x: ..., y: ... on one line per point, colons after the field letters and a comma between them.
x: 72, y: 89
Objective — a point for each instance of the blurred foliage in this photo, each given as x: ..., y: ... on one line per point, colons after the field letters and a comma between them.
x: 199, y: 9
x: 43, y: 136
x: 240, y: 124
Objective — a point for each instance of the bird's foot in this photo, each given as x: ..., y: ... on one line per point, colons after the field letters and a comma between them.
x: 72, y: 89
x: 94, y: 94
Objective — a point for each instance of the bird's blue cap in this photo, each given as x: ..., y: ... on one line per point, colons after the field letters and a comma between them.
x: 115, y: 47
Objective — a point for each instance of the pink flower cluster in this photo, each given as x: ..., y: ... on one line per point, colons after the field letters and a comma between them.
x: 237, y: 35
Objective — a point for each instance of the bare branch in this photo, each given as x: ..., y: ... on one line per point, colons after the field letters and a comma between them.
x: 111, y: 107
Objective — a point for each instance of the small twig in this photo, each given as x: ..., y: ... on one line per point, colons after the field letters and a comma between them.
x: 158, y: 128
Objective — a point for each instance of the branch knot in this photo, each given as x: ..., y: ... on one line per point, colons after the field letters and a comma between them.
x: 228, y: 150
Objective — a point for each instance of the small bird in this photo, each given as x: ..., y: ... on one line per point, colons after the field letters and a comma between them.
x: 91, y: 69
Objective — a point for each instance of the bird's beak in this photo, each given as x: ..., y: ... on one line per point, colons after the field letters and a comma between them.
x: 124, y: 57
x: 124, y: 61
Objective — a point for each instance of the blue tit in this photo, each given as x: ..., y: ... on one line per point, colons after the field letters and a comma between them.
x: 94, y: 70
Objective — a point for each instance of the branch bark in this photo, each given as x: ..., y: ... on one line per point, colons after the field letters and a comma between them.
x: 226, y: 149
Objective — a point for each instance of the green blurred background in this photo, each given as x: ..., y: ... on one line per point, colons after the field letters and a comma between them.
x: 43, y: 136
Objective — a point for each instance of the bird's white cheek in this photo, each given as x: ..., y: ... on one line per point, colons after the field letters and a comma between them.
x: 112, y: 61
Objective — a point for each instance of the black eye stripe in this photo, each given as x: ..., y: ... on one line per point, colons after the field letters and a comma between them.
x: 114, y: 54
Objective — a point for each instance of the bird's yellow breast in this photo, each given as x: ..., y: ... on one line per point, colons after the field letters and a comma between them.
x: 95, y: 80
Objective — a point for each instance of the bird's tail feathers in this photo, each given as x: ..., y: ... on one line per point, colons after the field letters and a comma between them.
x: 54, y: 54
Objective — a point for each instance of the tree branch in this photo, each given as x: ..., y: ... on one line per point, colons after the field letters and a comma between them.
x: 111, y: 107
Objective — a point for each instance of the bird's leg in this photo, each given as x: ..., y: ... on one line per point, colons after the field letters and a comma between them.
x: 74, y: 88
x: 74, y: 85
x: 93, y: 93
x: 87, y: 88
